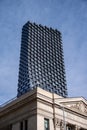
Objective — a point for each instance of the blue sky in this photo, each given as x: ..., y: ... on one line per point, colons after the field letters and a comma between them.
x: 68, y: 16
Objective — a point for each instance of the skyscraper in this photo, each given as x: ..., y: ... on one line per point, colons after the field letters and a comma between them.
x: 41, y: 60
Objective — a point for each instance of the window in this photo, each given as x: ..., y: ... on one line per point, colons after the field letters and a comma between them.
x: 21, y: 125
x: 46, y: 124
x: 24, y: 125
x: 69, y: 128
x: 10, y: 127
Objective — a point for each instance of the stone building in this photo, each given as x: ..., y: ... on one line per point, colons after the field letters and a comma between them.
x: 42, y: 110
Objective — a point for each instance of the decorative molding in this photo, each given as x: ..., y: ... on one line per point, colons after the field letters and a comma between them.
x: 79, y: 106
x: 57, y: 122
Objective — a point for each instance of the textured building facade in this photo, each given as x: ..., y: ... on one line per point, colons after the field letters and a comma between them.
x: 41, y: 60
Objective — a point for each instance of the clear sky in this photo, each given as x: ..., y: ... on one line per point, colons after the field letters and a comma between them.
x: 68, y: 16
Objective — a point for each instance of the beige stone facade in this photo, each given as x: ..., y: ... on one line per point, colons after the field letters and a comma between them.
x: 36, y: 108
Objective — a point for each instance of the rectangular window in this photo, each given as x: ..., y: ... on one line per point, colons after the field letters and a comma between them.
x: 26, y: 125
x: 69, y: 128
x: 46, y: 124
x: 21, y: 125
x: 10, y: 127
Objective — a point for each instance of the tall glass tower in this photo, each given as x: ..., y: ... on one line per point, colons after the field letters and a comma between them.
x: 41, y: 60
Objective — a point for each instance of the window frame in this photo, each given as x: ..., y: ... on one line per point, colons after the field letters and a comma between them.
x: 48, y: 124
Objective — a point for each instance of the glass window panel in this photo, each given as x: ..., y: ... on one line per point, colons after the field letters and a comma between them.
x: 46, y: 124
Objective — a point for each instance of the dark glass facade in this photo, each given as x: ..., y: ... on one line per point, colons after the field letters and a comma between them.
x: 41, y: 60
